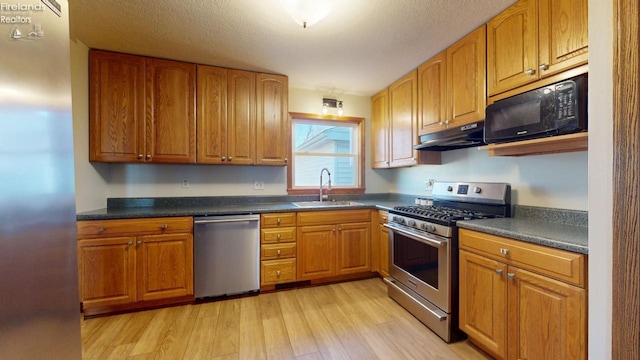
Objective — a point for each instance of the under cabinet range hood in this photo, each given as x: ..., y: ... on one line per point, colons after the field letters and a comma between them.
x: 461, y: 137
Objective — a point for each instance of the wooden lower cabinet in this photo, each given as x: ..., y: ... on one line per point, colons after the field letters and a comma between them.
x: 333, y: 243
x: 380, y: 243
x: 278, y: 249
x: 512, y: 310
x: 134, y: 263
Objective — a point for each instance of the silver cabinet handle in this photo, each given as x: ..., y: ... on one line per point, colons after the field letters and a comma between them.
x: 504, y: 251
x: 278, y: 220
x: 511, y: 276
x: 130, y: 243
x: 530, y: 72
x: 102, y: 229
x: 140, y: 156
x: 164, y: 226
x: 224, y: 158
x: 230, y: 158
x: 499, y: 272
x: 544, y: 67
x: 139, y: 242
x: 278, y: 252
x: 278, y: 273
x: 278, y: 236
x: 148, y: 156
x: 285, y: 160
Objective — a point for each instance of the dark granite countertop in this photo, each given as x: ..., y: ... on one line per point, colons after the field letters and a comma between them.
x: 557, y: 228
x: 127, y: 208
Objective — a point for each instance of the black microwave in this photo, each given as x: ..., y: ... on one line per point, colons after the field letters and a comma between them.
x: 560, y: 108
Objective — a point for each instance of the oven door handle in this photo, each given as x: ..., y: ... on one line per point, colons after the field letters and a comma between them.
x: 423, y: 239
x: 392, y: 283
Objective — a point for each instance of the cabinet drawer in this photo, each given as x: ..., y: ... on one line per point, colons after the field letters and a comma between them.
x: 277, y: 220
x: 277, y: 271
x: 278, y: 251
x: 149, y: 226
x: 383, y: 217
x: 559, y: 264
x: 332, y: 217
x: 278, y: 235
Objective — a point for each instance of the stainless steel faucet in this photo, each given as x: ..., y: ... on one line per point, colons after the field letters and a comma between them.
x: 322, y: 197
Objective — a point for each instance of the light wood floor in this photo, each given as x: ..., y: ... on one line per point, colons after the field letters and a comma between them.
x: 354, y: 320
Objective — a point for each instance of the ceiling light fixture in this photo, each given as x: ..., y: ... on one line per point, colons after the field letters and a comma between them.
x: 331, y: 103
x: 307, y: 12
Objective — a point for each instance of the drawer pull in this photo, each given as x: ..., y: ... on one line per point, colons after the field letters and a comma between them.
x: 102, y: 229
x: 504, y: 251
x: 130, y: 243
x: 139, y: 242
x: 511, y: 276
x: 278, y: 236
x: 278, y: 220
x: 278, y: 273
x: 499, y: 272
x: 164, y: 226
x: 278, y: 252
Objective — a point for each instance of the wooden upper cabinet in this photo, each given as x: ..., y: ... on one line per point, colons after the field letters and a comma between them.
x: 117, y: 102
x: 466, y: 78
x: 534, y: 39
x: 563, y: 32
x: 403, y: 134
x: 171, y: 123
x: 432, y: 94
x: 452, y: 85
x: 241, y: 128
x: 380, y: 130
x: 211, y: 115
x: 273, y: 122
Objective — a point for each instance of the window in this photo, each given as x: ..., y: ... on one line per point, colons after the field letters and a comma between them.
x: 335, y: 143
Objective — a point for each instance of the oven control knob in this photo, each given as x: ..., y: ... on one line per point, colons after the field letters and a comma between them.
x: 477, y: 190
x: 428, y: 227
x: 449, y: 188
x: 412, y: 223
x: 399, y: 220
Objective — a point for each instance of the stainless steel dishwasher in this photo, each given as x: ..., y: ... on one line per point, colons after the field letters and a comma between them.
x: 226, y: 255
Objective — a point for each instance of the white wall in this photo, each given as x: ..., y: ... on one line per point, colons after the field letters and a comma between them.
x: 91, y: 180
x: 557, y: 180
x: 600, y: 177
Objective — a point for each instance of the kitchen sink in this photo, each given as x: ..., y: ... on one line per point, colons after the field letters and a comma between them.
x: 327, y: 203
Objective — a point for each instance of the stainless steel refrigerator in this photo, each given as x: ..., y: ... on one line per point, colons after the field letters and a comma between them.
x: 39, y: 307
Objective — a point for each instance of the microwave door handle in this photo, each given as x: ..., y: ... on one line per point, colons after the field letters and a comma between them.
x: 425, y: 239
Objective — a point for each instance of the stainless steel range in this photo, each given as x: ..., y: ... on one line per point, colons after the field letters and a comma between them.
x: 423, y: 249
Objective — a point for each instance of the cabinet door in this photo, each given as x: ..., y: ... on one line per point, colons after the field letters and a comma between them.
x: 467, y: 78
x: 107, y: 271
x: 432, y: 95
x: 241, y: 118
x: 384, y: 250
x: 402, y: 119
x: 563, y: 35
x: 380, y: 130
x: 274, y: 125
x: 547, y: 318
x: 165, y: 266
x: 354, y: 248
x: 116, y: 118
x: 512, y: 47
x: 171, y: 123
x: 211, y: 115
x: 483, y: 302
x: 316, y: 251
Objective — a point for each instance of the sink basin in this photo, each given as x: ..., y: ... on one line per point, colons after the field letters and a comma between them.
x: 328, y: 203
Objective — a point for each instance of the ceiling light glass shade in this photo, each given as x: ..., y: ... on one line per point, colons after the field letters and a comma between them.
x: 307, y: 12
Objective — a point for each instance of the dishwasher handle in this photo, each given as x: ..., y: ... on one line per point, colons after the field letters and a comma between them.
x: 211, y: 221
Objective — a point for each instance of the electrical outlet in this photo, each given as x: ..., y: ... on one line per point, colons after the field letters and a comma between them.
x: 185, y: 182
x: 258, y: 185
x: 428, y: 184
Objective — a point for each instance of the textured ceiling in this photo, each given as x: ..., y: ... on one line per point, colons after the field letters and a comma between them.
x: 360, y: 48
